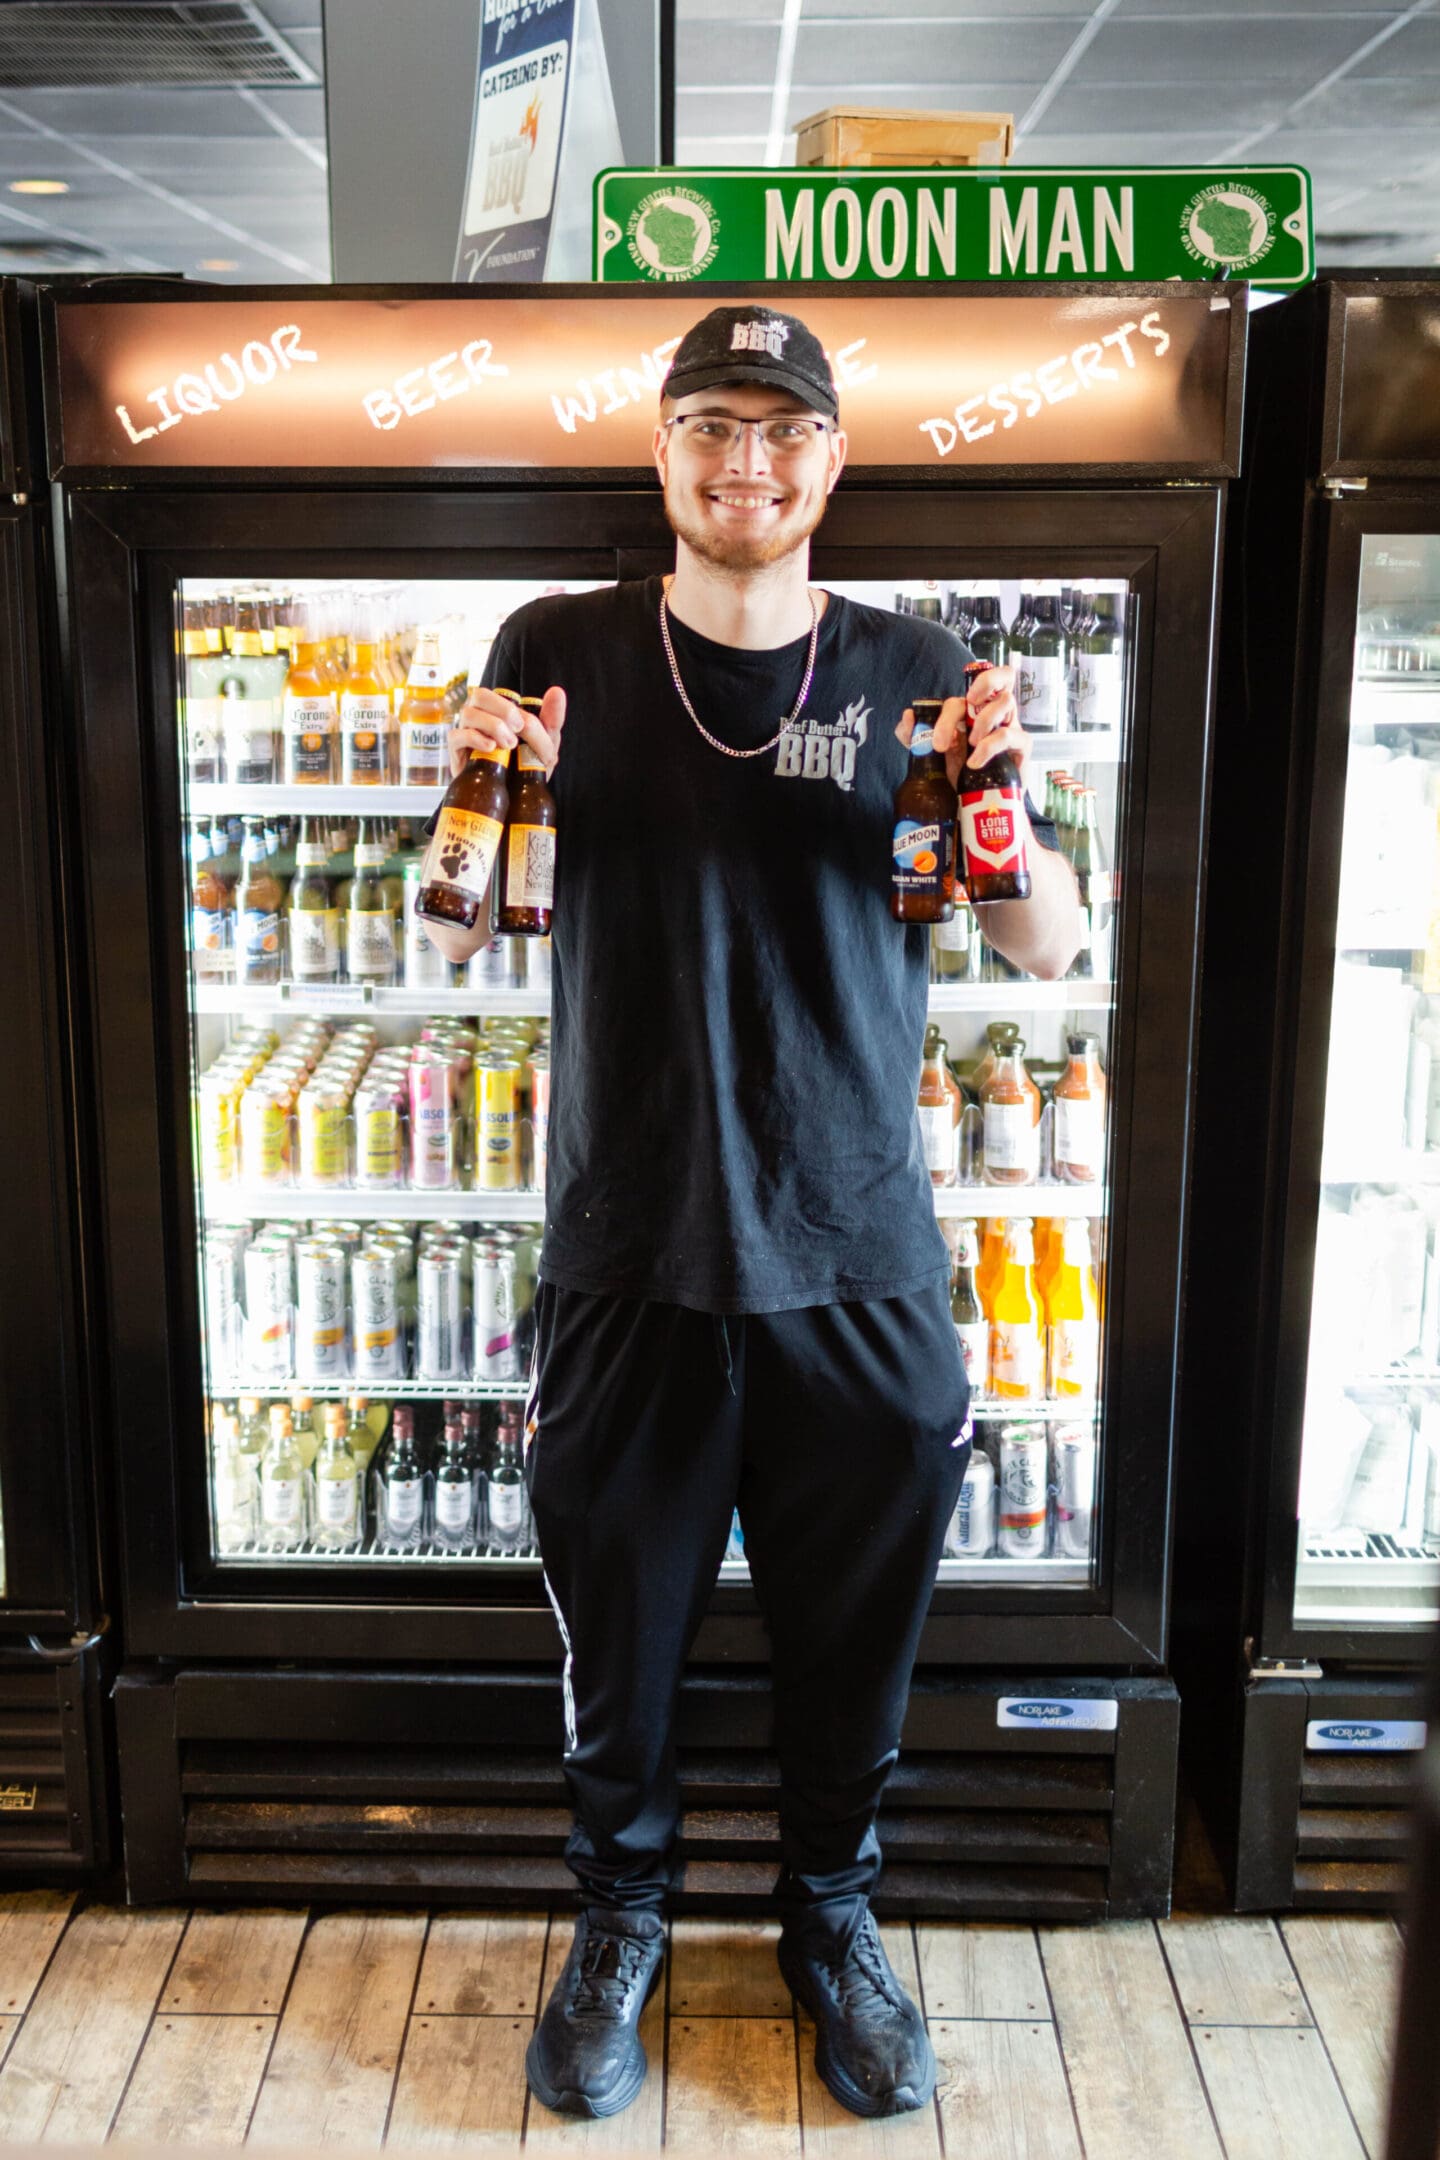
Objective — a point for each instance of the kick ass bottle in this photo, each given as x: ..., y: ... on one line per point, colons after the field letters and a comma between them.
x: 525, y: 878
x: 923, y: 846
x: 992, y: 853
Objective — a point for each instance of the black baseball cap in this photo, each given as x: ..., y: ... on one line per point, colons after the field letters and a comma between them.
x: 754, y: 344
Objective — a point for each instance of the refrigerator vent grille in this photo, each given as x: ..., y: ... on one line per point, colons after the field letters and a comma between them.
x: 34, y: 1810
x: 60, y: 45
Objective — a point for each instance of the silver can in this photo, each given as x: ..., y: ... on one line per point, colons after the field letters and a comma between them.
x: 974, y: 1523
x: 496, y: 1356
x: 492, y: 967
x: 375, y: 1298
x: 320, y: 1311
x: 1075, y: 1463
x: 222, y: 1310
x: 425, y: 968
x: 1024, y: 1491
x: 439, y: 1353
x: 268, y: 1316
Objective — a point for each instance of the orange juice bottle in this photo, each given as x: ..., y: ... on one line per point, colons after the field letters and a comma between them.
x: 1049, y: 1238
x: 1072, y: 1312
x: 1017, y: 1322
x: 992, y: 1258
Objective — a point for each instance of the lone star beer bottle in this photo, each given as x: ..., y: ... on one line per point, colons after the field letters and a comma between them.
x: 922, y: 851
x: 992, y: 856
x: 461, y: 855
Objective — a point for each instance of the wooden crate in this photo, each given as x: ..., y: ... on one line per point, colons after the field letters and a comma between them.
x: 868, y: 135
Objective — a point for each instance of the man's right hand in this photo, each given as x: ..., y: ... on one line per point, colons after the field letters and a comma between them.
x: 489, y: 718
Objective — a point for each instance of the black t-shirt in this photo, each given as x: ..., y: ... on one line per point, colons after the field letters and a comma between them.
x: 737, y: 1020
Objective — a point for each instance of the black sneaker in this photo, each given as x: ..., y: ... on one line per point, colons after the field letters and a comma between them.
x: 586, y: 2057
x: 871, y: 2046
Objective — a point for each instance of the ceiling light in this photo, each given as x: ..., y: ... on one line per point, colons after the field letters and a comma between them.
x: 39, y: 187
x: 218, y: 262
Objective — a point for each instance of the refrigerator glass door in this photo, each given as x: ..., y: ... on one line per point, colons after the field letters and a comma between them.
x: 369, y: 1121
x: 1369, y: 1499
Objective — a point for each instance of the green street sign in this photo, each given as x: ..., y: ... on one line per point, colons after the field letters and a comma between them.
x: 676, y: 225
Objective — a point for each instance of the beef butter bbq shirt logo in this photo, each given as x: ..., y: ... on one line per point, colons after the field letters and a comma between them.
x: 811, y: 750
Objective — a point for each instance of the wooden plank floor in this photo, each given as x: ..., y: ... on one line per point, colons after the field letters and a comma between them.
x: 1205, y: 2037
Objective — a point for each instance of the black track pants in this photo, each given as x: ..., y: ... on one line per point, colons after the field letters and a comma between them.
x: 833, y: 1428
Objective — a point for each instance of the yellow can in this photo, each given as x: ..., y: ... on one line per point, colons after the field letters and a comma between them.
x: 219, y: 1094
x: 324, y: 1121
x: 265, y: 1133
x: 497, y: 1124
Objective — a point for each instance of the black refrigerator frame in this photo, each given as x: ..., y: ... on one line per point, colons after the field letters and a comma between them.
x: 55, y: 1649
x: 127, y: 545
x: 1333, y: 454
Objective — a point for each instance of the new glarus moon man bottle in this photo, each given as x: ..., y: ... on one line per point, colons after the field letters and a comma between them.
x: 456, y: 874
x: 525, y: 878
x: 992, y: 856
x: 922, y: 866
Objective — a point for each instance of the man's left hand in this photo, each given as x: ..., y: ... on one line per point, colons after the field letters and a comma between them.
x: 987, y: 715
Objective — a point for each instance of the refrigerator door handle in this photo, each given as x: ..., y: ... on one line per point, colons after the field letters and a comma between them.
x: 66, y: 1654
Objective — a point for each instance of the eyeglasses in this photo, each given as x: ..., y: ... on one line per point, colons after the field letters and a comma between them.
x: 718, y: 434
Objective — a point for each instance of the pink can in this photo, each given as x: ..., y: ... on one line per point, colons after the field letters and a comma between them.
x: 434, y: 1123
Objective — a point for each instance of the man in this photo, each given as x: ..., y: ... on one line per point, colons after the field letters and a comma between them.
x: 744, y: 1294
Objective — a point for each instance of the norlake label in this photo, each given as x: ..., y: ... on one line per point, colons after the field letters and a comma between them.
x: 1058, y: 1713
x: 1382, y: 1736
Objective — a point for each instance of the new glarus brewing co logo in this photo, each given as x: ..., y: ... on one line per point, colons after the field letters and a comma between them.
x: 673, y: 234
x: 809, y: 750
x: 1231, y: 225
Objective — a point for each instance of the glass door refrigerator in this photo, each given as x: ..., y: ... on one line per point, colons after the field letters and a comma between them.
x: 55, y: 1651
x: 1309, y: 1569
x: 293, y: 524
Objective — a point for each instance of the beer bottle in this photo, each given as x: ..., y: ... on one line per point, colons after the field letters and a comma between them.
x: 265, y: 619
x: 310, y: 718
x: 1100, y: 668
x: 525, y: 896
x: 466, y: 840
x: 370, y: 916
x: 929, y: 606
x: 972, y: 1329
x: 425, y: 716
x: 992, y: 853
x: 1092, y: 877
x: 201, y: 704
x: 923, y: 845
x: 258, y: 901
x: 1043, y: 705
x: 987, y: 639
x: 366, y: 715
x: 314, y: 918
x: 247, y: 707
x: 211, y: 902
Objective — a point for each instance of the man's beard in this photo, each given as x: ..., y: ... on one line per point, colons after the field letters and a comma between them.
x: 741, y: 553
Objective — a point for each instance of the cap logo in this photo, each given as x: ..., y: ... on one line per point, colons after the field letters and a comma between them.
x: 764, y: 337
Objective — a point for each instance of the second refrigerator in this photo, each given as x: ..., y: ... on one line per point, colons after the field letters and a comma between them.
x: 290, y: 544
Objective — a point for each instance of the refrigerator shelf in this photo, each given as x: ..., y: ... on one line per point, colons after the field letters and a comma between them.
x: 1399, y: 1166
x: 1040, y: 1571
x: 1395, y: 704
x: 226, y: 1386
x: 283, y: 999
x: 1022, y: 997
x: 1086, y: 1200
x: 340, y: 998
x: 289, y: 1203
x: 1077, y: 746
x: 211, y: 798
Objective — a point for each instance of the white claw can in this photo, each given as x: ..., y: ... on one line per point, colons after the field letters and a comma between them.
x: 1075, y: 1463
x: 222, y: 1310
x: 375, y: 1302
x: 973, y: 1530
x: 1024, y: 1491
x: 495, y: 1354
x: 269, y: 1349
x: 439, y: 1333
x: 320, y: 1311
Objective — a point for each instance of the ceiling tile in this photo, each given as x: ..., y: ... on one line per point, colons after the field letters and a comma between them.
x: 1089, y: 109
x: 1243, y: 50
x: 731, y: 112
x: 875, y: 53
x: 1369, y: 14
x: 723, y: 52
x: 976, y: 25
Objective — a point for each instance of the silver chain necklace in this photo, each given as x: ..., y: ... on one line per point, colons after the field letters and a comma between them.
x: 790, y: 718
